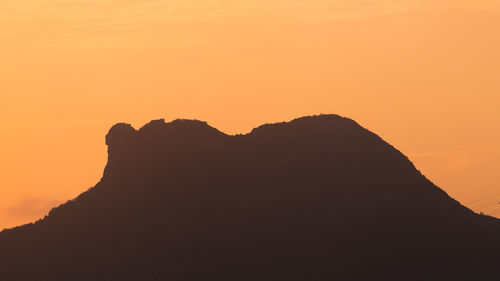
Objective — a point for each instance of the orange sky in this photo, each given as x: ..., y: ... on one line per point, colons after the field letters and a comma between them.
x: 424, y: 75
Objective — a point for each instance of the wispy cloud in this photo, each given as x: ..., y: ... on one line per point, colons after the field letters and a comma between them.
x: 455, y: 160
x: 30, y: 208
x: 133, y: 23
x: 451, y: 153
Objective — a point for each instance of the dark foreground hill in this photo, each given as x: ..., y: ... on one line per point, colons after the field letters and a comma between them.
x: 318, y: 198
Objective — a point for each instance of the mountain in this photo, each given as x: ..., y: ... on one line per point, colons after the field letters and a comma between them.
x: 317, y: 198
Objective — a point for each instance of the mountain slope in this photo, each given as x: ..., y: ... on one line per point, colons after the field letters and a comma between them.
x: 318, y: 198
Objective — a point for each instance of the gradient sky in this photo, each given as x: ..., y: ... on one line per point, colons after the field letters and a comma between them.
x: 424, y: 75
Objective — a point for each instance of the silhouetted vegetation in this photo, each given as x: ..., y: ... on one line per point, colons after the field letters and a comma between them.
x: 318, y: 198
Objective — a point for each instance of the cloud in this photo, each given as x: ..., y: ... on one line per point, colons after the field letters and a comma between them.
x: 455, y: 160
x: 91, y: 24
x: 454, y: 153
x: 31, y: 207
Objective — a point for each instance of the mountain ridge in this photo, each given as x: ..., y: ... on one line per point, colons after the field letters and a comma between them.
x: 313, y: 198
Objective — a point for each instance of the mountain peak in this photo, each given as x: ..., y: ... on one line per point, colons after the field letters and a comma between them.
x: 123, y: 132
x: 120, y: 133
x: 328, y: 123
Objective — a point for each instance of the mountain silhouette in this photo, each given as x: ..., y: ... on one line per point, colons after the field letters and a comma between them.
x: 317, y: 198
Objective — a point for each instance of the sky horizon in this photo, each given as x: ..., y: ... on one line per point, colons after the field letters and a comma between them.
x: 423, y: 75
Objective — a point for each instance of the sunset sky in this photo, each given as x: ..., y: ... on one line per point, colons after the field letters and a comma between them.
x: 424, y: 75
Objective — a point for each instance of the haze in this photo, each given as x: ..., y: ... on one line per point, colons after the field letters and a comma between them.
x: 423, y: 75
